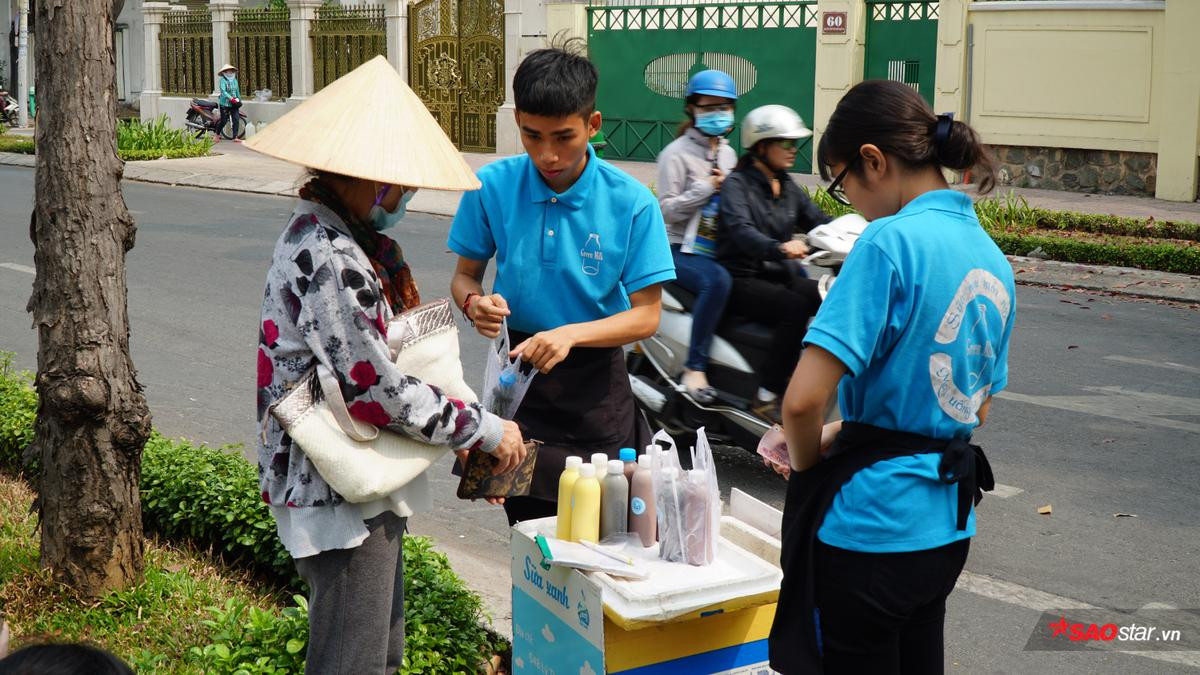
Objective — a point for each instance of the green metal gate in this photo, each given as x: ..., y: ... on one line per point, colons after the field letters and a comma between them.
x: 902, y: 43
x: 646, y: 53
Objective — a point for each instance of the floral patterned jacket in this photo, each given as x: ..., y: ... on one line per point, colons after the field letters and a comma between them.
x: 323, y: 303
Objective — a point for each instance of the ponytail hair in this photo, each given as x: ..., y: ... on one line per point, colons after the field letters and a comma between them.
x: 893, y: 117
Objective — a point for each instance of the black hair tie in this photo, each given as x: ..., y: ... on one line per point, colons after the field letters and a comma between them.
x: 941, y: 133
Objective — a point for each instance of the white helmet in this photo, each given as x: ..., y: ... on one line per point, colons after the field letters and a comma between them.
x: 772, y: 121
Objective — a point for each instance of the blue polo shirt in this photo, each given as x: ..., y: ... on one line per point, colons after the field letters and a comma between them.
x: 921, y: 316
x: 563, y: 258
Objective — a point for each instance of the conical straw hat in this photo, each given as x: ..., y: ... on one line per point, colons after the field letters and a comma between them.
x: 368, y: 124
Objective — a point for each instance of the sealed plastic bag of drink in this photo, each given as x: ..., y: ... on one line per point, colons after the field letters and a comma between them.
x: 773, y: 447
x: 505, y: 380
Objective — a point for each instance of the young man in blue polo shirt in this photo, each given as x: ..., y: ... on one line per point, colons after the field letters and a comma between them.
x: 581, y: 251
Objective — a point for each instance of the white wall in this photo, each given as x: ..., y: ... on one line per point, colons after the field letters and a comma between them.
x: 135, y: 71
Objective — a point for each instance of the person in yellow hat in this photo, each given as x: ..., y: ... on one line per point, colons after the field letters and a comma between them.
x: 334, y: 283
x: 230, y: 101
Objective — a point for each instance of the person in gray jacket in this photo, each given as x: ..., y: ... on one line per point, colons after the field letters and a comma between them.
x: 690, y: 173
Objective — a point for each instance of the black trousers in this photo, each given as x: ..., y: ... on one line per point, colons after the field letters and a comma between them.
x: 230, y: 114
x: 883, y: 613
x: 785, y: 305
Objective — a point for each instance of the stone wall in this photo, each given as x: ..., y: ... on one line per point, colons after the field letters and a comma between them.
x: 1097, y: 171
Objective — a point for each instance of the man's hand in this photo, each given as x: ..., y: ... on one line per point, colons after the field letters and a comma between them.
x: 794, y: 249
x: 487, y: 312
x: 546, y: 349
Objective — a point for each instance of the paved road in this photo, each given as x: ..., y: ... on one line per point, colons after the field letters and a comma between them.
x: 1102, y: 417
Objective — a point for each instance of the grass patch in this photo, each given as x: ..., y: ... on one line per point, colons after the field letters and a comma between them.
x: 153, y: 626
x: 215, y: 598
x: 136, y: 141
x: 17, y: 144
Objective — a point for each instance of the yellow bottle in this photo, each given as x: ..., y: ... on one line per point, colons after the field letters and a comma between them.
x: 585, y: 514
x: 566, y: 489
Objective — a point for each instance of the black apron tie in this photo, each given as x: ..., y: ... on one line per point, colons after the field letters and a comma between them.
x: 964, y: 463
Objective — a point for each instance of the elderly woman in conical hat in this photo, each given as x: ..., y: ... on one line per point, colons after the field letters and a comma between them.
x: 335, y: 281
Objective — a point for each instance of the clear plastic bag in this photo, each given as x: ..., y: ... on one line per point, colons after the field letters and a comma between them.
x: 689, y: 503
x: 669, y: 500
x: 702, y: 515
x: 505, y: 380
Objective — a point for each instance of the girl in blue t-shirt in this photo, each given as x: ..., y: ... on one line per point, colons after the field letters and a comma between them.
x: 914, y: 337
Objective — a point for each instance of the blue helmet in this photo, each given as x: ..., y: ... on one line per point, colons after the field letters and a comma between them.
x: 712, y: 83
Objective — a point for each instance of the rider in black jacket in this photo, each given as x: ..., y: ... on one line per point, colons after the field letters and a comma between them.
x: 761, y: 210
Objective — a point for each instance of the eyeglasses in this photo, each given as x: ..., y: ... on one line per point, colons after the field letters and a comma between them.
x: 835, y: 188
x: 787, y: 144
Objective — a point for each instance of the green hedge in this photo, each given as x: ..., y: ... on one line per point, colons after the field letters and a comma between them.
x: 1151, y: 256
x: 210, y: 497
x: 1065, y: 236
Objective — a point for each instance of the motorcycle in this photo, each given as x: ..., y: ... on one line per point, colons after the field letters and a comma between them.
x: 738, y: 352
x: 9, y: 109
x: 204, y: 115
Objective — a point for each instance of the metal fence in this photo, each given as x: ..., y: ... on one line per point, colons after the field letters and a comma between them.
x: 646, y: 54
x: 185, y: 47
x: 345, y: 37
x: 261, y: 44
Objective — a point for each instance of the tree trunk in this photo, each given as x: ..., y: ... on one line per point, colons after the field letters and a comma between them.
x: 92, y: 421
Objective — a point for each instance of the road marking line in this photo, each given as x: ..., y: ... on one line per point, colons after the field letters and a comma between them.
x: 18, y: 268
x: 1111, y: 405
x: 1041, y: 601
x: 1005, y: 491
x: 1154, y: 364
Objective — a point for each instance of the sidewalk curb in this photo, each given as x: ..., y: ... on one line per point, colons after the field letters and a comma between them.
x: 1128, y: 281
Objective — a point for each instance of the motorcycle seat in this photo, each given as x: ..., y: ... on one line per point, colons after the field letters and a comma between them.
x: 204, y: 103
x: 733, y: 327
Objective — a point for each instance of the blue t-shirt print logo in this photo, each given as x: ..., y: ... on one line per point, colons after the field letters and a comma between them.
x: 967, y: 356
x: 591, y: 255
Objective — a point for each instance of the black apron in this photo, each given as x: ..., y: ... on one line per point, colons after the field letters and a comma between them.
x: 793, y: 643
x: 582, y: 406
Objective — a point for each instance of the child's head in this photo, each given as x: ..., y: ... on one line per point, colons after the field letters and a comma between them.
x: 886, y: 140
x: 555, y: 94
x: 62, y: 659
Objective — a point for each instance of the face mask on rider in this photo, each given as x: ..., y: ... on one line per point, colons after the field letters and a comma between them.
x: 380, y: 218
x: 714, y: 123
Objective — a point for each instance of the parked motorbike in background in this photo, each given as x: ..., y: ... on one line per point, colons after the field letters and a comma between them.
x: 738, y: 352
x: 204, y: 115
x: 9, y: 109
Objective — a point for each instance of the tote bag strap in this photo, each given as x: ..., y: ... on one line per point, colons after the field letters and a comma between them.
x: 362, y: 432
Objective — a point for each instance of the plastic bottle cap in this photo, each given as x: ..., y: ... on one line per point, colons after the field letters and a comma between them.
x: 587, y: 471
x: 670, y: 472
x: 646, y: 461
x: 599, y: 459
x: 574, y: 462
x: 616, y: 467
x: 653, y: 450
x: 697, y: 476
x: 508, y: 379
x: 628, y: 455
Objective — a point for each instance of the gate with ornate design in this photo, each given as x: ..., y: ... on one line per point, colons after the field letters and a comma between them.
x: 902, y: 43
x: 456, y: 66
x: 646, y: 52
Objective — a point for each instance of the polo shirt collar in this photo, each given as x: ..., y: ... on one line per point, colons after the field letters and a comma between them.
x: 943, y: 200
x: 575, y: 196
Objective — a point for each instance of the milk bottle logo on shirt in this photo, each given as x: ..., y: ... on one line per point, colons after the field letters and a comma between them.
x: 591, y: 255
x: 980, y: 356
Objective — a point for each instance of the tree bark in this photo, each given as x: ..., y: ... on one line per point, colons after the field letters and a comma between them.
x: 92, y: 421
